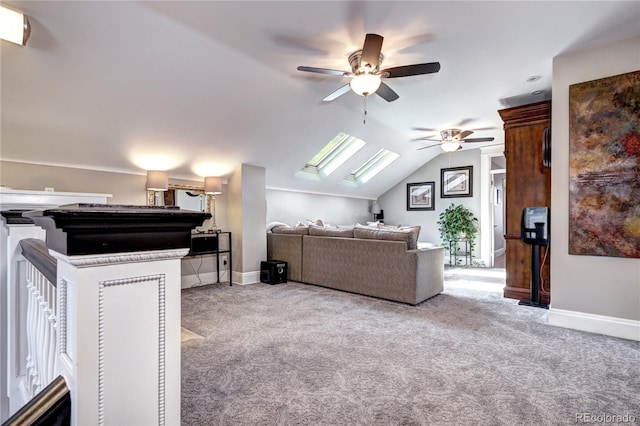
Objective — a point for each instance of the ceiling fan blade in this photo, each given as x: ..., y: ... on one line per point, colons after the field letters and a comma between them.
x: 371, y: 50
x: 427, y: 138
x: 486, y: 146
x: 424, y: 129
x: 323, y: 71
x: 464, y: 134
x: 477, y: 129
x: 428, y: 146
x: 386, y: 93
x: 472, y: 140
x: 408, y: 70
x: 337, y: 93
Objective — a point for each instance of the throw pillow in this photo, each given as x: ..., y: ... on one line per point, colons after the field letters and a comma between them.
x: 271, y: 225
x: 331, y: 231
x: 373, y: 226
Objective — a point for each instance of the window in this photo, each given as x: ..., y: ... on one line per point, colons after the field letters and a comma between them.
x: 333, y: 155
x: 372, y: 166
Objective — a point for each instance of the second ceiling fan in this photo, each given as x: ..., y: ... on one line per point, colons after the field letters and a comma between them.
x: 452, y: 139
x: 366, y: 75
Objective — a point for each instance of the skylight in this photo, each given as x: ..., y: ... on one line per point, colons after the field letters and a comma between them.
x: 333, y: 155
x: 372, y: 166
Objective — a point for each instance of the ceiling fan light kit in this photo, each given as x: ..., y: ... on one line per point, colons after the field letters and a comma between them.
x: 450, y: 146
x: 365, y: 84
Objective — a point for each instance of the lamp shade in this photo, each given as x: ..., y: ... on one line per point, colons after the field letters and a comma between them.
x: 365, y: 84
x: 212, y: 185
x: 14, y: 26
x: 157, y: 180
x: 375, y: 208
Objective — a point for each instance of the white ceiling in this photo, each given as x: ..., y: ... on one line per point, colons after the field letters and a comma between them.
x: 210, y: 85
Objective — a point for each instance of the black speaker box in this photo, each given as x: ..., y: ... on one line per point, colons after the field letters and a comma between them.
x: 273, y: 272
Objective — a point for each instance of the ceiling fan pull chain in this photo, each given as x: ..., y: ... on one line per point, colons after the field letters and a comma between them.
x: 364, y: 117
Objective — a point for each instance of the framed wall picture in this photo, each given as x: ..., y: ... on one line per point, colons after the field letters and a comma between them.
x: 604, y: 159
x: 456, y: 182
x: 421, y: 196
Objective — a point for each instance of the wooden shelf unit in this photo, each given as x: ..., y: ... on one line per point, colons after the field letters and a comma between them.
x: 528, y: 184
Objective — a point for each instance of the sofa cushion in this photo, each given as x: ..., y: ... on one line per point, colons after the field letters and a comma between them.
x: 299, y: 230
x: 405, y: 235
x: 331, y: 231
x: 415, y: 231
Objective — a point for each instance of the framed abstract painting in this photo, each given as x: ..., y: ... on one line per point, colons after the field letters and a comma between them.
x: 604, y: 167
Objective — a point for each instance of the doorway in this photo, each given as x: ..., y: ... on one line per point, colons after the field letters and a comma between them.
x: 492, y: 198
x: 498, y: 186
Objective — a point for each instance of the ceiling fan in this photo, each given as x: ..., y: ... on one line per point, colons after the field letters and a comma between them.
x: 452, y: 139
x: 366, y: 76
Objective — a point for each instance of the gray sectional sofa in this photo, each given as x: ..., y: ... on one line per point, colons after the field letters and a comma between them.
x: 384, y: 263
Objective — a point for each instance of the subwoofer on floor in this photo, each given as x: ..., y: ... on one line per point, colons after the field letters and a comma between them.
x: 273, y: 272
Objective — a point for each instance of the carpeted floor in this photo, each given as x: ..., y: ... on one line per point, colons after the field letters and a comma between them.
x: 296, y: 354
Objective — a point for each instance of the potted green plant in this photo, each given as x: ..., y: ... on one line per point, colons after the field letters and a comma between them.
x: 457, y: 223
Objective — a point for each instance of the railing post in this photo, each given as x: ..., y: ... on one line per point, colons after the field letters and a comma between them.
x: 118, y: 285
x: 13, y: 342
x: 12, y: 286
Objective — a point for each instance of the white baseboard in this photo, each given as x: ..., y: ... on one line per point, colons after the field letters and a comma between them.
x: 243, y: 278
x: 611, y: 326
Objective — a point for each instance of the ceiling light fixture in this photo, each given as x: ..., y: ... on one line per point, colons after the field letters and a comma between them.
x: 365, y: 84
x: 14, y: 26
x: 450, y: 145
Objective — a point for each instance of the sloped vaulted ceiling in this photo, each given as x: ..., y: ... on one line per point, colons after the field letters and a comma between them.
x: 102, y: 84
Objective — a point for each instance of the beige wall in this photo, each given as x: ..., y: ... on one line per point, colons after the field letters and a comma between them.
x: 126, y: 188
x: 394, y: 201
x: 291, y: 207
x: 606, y: 286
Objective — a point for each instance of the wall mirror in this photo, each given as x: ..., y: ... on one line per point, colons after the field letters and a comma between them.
x: 187, y: 197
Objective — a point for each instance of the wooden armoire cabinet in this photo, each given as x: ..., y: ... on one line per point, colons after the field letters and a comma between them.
x: 528, y: 184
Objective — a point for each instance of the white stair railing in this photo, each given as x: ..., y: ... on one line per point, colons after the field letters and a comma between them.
x: 102, y: 310
x: 41, y: 333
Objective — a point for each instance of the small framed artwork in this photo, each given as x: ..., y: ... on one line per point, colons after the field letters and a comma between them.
x: 421, y: 196
x: 456, y: 182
